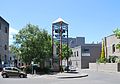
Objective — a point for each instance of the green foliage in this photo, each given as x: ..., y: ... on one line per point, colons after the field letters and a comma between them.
x: 105, y: 60
x: 117, y: 32
x: 65, y: 54
x: 66, y: 51
x: 46, y: 70
x: 118, y: 46
x: 102, y: 57
x: 112, y: 59
x: 14, y: 50
x: 28, y: 69
x: 33, y: 43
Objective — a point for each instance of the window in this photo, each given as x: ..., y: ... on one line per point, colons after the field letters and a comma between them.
x: 0, y: 25
x: 15, y: 69
x: 77, y: 53
x: 5, y: 29
x: 113, y: 48
x: 8, y: 69
x: 5, y: 47
x: 10, y: 58
x: 86, y: 50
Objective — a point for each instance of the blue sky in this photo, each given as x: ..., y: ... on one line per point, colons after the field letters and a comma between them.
x: 92, y: 19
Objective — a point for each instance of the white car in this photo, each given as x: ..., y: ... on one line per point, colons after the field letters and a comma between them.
x: 72, y: 68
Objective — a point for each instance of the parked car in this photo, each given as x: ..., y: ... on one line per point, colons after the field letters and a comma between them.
x: 13, y: 71
x: 70, y: 68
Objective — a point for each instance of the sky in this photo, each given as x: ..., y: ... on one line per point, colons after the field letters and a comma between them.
x: 92, y: 19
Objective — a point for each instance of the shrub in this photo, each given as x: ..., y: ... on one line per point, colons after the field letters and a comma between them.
x: 102, y: 60
x: 46, y: 70
x: 28, y: 69
x: 112, y: 59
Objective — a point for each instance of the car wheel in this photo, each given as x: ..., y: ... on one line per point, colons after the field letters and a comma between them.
x: 4, y: 75
x: 21, y: 76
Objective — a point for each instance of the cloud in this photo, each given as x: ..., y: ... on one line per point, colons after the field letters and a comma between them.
x: 12, y: 32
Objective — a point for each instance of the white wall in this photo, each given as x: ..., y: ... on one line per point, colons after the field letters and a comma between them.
x: 106, y: 67
x: 76, y: 60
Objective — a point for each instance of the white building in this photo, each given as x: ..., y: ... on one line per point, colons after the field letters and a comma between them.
x: 110, y: 46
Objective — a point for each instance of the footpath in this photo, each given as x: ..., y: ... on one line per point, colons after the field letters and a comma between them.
x: 71, y: 75
x: 60, y: 75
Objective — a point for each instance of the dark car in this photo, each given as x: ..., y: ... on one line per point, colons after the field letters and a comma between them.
x: 13, y: 71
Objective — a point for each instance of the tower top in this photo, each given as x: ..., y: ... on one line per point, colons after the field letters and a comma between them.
x: 59, y: 20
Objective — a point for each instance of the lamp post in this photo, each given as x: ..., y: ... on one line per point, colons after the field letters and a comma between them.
x: 32, y: 66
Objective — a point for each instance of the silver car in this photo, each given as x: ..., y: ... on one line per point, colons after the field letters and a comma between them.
x: 13, y: 71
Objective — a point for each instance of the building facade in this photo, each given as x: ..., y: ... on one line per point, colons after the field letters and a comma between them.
x: 4, y: 41
x: 73, y: 42
x: 110, y: 46
x: 85, y: 54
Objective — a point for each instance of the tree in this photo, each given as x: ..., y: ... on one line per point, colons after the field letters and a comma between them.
x: 65, y: 54
x: 33, y: 44
x: 14, y: 50
x: 117, y: 32
x: 102, y: 57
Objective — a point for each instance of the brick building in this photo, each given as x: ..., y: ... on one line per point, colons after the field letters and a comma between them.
x: 4, y: 41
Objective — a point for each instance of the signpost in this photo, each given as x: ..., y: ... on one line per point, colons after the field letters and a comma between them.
x: 32, y: 66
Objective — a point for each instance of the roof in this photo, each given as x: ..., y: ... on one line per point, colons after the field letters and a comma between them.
x: 110, y: 35
x: 59, y: 20
x: 4, y: 20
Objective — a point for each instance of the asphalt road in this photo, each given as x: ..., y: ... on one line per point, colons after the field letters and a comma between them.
x: 92, y: 78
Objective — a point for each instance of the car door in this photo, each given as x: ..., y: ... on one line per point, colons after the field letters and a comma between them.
x: 15, y: 72
x: 8, y: 71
